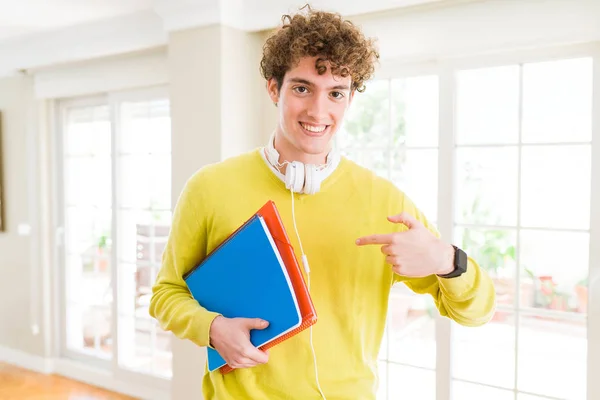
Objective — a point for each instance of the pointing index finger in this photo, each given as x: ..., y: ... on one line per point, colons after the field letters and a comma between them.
x: 375, y: 239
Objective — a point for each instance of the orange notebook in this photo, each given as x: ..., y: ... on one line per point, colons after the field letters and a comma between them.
x: 307, y: 311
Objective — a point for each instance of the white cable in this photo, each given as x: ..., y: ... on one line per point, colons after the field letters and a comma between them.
x: 307, y: 269
x: 298, y: 235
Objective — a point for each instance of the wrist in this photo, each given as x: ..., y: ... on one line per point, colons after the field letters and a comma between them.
x: 213, y: 330
x: 447, y: 263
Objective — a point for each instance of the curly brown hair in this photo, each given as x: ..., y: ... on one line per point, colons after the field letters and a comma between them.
x: 323, y: 34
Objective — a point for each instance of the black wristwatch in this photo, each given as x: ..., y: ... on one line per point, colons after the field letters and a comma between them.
x: 460, y: 264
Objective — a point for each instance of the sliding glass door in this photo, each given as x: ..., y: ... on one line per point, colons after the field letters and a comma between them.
x: 502, y: 158
x: 114, y: 213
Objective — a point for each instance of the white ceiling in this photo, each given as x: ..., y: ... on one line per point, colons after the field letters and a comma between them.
x: 43, y: 33
x: 24, y: 17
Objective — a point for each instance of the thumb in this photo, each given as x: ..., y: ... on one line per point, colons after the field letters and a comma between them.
x: 405, y: 219
x: 256, y: 323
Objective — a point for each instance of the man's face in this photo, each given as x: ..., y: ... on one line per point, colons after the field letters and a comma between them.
x: 311, y: 109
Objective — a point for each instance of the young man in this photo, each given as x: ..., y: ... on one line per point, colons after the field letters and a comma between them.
x: 360, y: 233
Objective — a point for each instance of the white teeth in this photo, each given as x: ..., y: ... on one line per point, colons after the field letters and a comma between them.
x: 315, y: 129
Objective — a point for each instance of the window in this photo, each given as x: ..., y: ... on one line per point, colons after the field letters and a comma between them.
x: 116, y: 213
x: 524, y: 168
x: 392, y: 128
x: 521, y: 173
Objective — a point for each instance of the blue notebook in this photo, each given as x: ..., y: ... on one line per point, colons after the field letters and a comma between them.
x: 246, y: 277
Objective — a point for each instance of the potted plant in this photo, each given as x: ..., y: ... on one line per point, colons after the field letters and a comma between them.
x: 102, y: 253
x: 581, y: 291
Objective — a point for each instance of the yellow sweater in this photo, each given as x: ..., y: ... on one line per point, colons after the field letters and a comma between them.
x: 349, y: 284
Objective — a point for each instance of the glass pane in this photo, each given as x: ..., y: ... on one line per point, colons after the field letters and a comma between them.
x: 486, y: 354
x: 415, y: 116
x: 410, y: 383
x: 88, y: 232
x: 145, y: 181
x: 143, y: 346
x: 488, y: 106
x: 486, y: 188
x: 88, y: 181
x: 556, y: 265
x: 411, y: 328
x: 494, y: 251
x: 88, y: 328
x: 415, y: 172
x: 162, y: 362
x: 557, y: 101
x: 146, y: 127
x: 88, y: 131
x: 127, y: 292
x: 552, y: 357
x: 382, y: 391
x: 367, y: 122
x: 134, y: 339
x: 144, y: 220
x: 554, y: 177
x: 375, y: 160
x: 143, y: 235
x: 470, y: 391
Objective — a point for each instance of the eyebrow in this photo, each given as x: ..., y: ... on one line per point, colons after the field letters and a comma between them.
x: 309, y: 83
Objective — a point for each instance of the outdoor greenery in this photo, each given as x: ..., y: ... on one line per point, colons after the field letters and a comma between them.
x: 378, y: 113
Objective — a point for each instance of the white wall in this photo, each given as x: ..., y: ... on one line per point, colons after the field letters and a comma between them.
x: 243, y: 91
x: 102, y: 75
x: 17, y: 312
x: 430, y: 33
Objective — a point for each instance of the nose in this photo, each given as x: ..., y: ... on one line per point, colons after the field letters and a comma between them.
x: 317, y: 108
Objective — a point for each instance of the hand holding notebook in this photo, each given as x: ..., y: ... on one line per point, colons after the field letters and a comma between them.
x: 253, y: 274
x: 231, y: 338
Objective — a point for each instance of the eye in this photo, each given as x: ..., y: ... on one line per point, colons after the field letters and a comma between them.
x: 337, y: 95
x: 300, y: 89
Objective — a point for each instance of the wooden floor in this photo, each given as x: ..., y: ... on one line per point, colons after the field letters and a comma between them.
x: 20, y: 384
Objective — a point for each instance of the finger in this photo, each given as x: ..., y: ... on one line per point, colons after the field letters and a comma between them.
x: 243, y: 363
x: 255, y: 355
x: 405, y: 219
x: 387, y: 249
x: 393, y: 260
x: 375, y: 239
x: 256, y: 323
x: 398, y: 270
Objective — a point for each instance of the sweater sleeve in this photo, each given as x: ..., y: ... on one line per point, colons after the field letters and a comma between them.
x: 172, y: 305
x: 469, y: 299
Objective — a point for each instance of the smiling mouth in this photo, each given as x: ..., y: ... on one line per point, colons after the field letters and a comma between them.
x: 313, y: 129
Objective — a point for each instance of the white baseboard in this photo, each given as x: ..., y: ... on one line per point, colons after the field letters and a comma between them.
x: 94, y: 376
x: 25, y: 360
x: 82, y: 372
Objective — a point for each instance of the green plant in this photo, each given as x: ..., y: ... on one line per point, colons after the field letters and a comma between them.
x: 491, y: 248
x: 102, y: 242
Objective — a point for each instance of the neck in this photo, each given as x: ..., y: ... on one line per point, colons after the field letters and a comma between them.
x: 287, y: 152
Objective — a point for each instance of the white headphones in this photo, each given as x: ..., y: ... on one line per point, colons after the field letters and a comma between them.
x: 299, y: 177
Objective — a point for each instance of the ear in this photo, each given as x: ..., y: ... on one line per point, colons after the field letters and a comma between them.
x: 272, y: 90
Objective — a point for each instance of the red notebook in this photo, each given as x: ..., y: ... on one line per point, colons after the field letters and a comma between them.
x: 307, y: 311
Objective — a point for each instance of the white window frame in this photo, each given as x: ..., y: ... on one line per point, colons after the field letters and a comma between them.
x: 446, y: 69
x: 70, y: 361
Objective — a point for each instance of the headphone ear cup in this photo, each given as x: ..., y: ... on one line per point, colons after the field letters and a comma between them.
x: 310, y: 179
x: 294, y: 176
x: 316, y: 180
